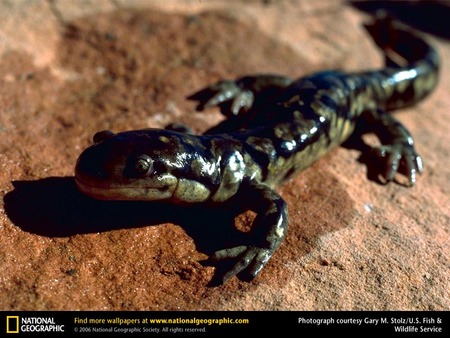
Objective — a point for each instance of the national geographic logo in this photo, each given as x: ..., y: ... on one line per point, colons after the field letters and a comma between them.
x: 12, y: 324
x: 16, y: 324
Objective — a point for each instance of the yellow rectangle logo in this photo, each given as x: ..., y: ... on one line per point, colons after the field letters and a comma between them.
x: 12, y: 324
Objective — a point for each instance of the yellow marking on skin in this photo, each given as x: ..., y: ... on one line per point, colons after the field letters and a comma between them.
x: 202, y: 167
x: 348, y: 129
x: 272, y: 210
x: 293, y: 101
x: 256, y: 143
x: 278, y: 132
x: 232, y: 176
x: 263, y: 145
x: 297, y: 114
x: 192, y: 142
x: 283, y: 132
x: 191, y: 191
x: 164, y: 139
x: 280, y: 232
x: 279, y: 229
x: 253, y: 168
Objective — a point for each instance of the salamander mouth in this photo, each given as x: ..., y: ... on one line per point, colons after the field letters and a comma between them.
x: 134, y: 192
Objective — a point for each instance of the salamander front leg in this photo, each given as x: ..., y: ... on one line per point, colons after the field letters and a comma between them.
x: 241, y: 95
x: 268, y: 232
x: 397, y: 149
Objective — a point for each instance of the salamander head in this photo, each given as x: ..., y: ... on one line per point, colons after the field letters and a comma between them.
x: 145, y: 165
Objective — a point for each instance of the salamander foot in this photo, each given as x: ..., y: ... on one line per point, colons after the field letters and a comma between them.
x: 247, y: 261
x: 399, y: 157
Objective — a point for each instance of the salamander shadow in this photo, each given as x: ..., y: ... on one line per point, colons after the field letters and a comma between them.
x: 53, y: 207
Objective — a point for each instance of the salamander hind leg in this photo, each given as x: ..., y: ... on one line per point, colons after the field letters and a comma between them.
x: 268, y: 232
x: 397, y: 151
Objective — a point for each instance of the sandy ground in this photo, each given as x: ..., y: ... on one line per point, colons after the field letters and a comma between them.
x: 71, y: 68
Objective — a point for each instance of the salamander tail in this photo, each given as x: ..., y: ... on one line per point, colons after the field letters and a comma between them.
x: 412, y: 64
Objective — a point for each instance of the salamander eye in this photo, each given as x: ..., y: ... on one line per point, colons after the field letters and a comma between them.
x: 102, y: 135
x: 143, y: 165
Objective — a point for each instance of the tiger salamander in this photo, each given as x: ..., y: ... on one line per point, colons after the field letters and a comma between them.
x: 276, y: 127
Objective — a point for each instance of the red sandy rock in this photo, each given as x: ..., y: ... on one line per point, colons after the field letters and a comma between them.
x: 352, y: 243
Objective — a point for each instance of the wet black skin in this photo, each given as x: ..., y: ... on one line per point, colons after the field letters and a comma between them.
x: 276, y: 127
